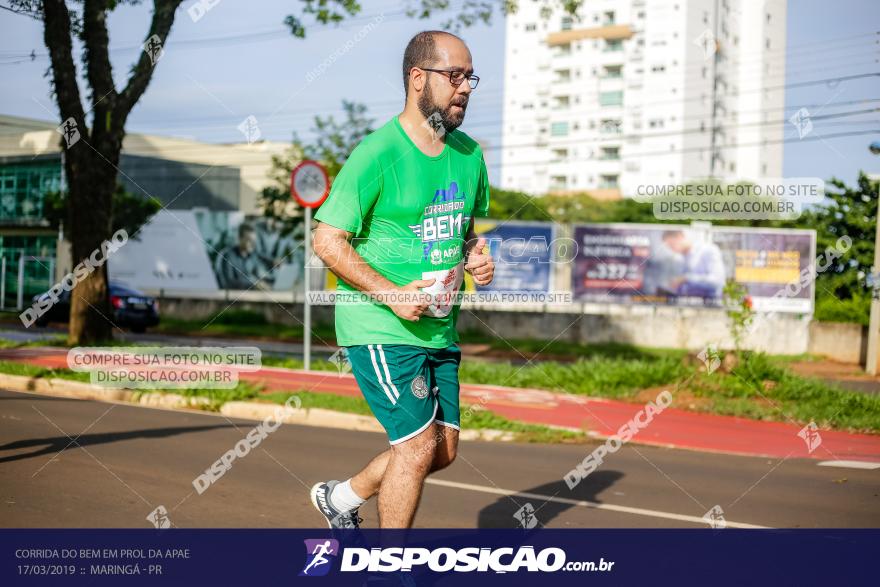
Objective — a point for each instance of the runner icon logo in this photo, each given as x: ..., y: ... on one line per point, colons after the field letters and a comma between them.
x: 319, y: 555
x: 419, y: 387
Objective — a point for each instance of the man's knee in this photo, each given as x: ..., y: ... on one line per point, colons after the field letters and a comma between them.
x: 447, y: 447
x: 418, y: 451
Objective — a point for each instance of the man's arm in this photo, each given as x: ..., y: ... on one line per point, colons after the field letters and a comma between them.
x: 333, y: 246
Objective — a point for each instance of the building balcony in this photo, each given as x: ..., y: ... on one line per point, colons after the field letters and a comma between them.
x: 598, y: 193
x: 611, y: 33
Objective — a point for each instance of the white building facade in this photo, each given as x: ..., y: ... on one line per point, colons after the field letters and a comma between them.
x: 632, y: 92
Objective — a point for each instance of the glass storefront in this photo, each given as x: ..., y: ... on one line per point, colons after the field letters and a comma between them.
x: 23, y: 187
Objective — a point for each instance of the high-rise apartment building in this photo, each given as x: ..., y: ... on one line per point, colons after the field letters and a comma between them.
x: 631, y: 92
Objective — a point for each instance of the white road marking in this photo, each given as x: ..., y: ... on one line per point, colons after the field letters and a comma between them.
x: 586, y: 504
x: 850, y: 464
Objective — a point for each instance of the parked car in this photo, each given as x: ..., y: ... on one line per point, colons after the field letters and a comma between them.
x: 131, y: 308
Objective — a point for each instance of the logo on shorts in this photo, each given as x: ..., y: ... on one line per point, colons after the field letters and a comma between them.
x: 419, y: 387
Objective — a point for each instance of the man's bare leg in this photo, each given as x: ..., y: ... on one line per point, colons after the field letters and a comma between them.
x: 401, y: 487
x: 366, y: 483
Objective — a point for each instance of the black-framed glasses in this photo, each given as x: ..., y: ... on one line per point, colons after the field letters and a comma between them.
x: 457, y: 77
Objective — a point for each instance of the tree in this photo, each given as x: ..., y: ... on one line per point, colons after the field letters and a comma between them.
x: 332, y: 144
x: 91, y: 161
x: 91, y: 152
x: 841, y: 293
x: 130, y: 211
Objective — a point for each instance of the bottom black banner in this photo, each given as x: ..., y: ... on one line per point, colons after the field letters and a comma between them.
x: 437, y: 557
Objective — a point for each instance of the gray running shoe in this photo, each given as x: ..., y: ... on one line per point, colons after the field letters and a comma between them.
x: 320, y: 495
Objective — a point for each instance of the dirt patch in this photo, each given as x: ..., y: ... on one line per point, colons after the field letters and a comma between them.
x: 830, y: 370
x: 683, y: 398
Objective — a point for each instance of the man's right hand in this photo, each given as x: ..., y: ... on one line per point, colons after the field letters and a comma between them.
x: 414, y: 302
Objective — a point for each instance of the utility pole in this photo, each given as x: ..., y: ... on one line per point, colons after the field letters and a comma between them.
x: 874, y: 284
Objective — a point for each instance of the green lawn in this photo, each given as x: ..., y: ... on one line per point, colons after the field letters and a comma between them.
x: 761, y: 387
x: 244, y: 323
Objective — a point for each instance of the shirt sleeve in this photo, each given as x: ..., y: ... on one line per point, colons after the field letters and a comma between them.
x: 353, y: 193
x: 481, y: 200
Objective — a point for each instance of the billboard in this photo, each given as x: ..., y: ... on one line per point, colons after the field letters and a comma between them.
x: 689, y: 265
x: 207, y: 250
x: 522, y: 252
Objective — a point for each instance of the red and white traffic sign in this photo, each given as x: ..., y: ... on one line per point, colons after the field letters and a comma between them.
x: 309, y: 184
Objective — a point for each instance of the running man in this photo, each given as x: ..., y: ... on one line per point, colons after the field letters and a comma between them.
x: 320, y: 551
x: 399, y: 220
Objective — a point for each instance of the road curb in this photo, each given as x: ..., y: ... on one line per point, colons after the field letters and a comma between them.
x: 259, y: 411
x: 80, y: 390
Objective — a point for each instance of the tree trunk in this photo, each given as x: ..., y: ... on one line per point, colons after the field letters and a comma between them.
x: 92, y: 180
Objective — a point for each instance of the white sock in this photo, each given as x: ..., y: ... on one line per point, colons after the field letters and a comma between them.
x: 344, y: 498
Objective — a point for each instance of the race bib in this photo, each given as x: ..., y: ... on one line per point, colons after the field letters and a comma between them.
x: 444, y: 289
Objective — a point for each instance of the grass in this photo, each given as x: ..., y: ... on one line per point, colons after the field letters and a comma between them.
x: 610, y: 350
x: 243, y: 323
x: 764, y: 389
x: 472, y: 417
x: 619, y: 378
x: 5, y: 343
x: 37, y: 372
x: 760, y: 387
x: 613, y: 378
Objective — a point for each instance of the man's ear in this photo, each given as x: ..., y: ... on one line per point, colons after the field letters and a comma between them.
x: 417, y: 79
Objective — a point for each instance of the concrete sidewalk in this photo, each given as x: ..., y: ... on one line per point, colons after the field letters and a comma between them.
x: 600, y: 418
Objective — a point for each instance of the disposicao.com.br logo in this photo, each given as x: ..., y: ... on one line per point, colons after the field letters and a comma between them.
x: 443, y: 559
x: 320, y: 553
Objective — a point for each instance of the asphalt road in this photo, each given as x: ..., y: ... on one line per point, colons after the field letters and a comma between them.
x: 73, y: 463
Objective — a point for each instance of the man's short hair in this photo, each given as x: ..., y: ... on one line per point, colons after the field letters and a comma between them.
x: 421, y: 52
x: 246, y: 228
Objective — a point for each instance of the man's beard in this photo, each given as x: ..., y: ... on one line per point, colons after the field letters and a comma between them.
x: 439, y: 117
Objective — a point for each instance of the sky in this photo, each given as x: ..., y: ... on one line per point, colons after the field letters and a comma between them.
x: 238, y: 60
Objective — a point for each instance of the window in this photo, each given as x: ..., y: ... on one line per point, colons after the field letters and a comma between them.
x: 558, y: 182
x: 566, y: 23
x: 611, y: 98
x: 23, y: 187
x: 608, y: 18
x: 610, y: 126
x: 562, y: 50
x: 531, y: 27
x: 613, y: 45
x: 559, y: 129
x: 609, y: 181
x: 562, y: 76
x: 609, y: 153
x: 560, y: 154
x: 561, y: 102
x: 612, y: 71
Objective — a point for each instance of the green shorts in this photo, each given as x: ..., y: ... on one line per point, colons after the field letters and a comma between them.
x: 407, y: 386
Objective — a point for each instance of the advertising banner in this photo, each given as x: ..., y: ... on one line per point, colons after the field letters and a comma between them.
x: 204, y: 250
x: 689, y: 265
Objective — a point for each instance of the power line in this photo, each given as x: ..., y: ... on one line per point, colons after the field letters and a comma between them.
x: 162, y: 153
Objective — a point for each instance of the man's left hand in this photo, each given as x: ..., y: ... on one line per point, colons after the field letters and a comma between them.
x: 480, y: 264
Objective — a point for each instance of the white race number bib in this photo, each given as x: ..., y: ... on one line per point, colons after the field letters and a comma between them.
x: 444, y: 289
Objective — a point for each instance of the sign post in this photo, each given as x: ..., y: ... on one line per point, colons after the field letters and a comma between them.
x: 309, y: 186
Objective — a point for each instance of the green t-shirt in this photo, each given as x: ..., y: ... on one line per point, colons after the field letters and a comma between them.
x: 409, y: 214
